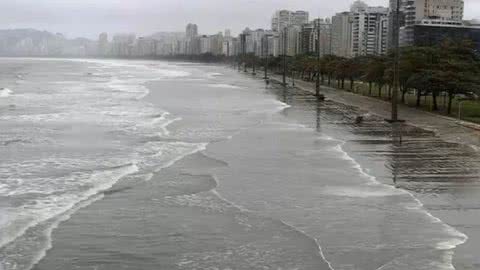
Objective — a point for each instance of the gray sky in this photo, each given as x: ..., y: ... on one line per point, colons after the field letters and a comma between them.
x: 90, y: 17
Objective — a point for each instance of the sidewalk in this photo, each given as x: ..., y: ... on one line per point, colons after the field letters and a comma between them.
x: 447, y: 128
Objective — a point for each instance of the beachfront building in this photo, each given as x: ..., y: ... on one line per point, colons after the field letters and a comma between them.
x: 192, y: 41
x: 123, y: 44
x: 286, y: 18
x: 309, y: 37
x: 369, y: 30
x: 103, y: 45
x: 289, y: 40
x: 429, y: 12
x: 342, y: 34
x: 271, y: 43
x: 216, y: 44
x: 145, y: 46
x: 433, y: 34
x: 325, y: 36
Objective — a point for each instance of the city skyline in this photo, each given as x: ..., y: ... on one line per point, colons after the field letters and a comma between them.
x: 156, y: 16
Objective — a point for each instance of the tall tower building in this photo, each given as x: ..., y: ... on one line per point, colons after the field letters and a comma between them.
x: 103, y: 44
x: 342, y: 34
x: 192, y: 43
x: 285, y: 18
x: 191, y: 31
x: 369, y: 31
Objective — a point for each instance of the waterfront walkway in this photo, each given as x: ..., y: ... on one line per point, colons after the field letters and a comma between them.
x: 448, y: 128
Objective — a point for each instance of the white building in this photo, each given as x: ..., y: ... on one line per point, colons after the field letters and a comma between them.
x: 103, y: 45
x: 285, y: 18
x: 290, y: 40
x: 325, y: 36
x: 369, y: 30
x: 204, y: 42
x: 123, y: 44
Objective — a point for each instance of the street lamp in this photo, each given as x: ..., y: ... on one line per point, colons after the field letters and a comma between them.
x: 265, y: 39
x: 317, y: 85
x: 396, y: 64
x: 284, y: 80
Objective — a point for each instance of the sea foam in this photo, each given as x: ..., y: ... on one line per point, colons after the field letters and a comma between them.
x: 456, y: 237
x: 5, y: 92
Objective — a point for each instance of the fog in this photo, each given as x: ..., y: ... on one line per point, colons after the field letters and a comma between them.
x: 88, y: 18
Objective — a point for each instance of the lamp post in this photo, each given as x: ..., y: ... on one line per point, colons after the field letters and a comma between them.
x: 254, y: 59
x: 317, y: 85
x: 284, y: 77
x: 396, y: 64
x: 293, y: 77
x: 266, y: 56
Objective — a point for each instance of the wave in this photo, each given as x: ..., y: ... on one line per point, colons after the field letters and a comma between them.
x: 5, y: 92
x: 293, y: 228
x: 457, y: 237
x: 223, y: 85
x: 214, y: 75
x: 14, y: 236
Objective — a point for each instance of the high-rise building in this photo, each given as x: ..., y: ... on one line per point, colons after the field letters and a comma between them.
x: 369, y: 30
x: 191, y: 31
x: 204, y: 42
x: 147, y: 47
x: 325, y: 36
x: 439, y: 12
x: 299, y: 17
x: 192, y: 40
x: 342, y: 34
x: 123, y: 44
x: 103, y: 46
x: 289, y: 40
x: 285, y: 18
x: 306, y: 38
x: 216, y: 44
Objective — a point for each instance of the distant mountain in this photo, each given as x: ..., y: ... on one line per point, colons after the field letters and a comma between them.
x: 31, y: 42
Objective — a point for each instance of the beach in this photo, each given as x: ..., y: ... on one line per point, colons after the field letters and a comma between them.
x: 203, y: 167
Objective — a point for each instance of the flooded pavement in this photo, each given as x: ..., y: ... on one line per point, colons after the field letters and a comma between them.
x: 443, y: 176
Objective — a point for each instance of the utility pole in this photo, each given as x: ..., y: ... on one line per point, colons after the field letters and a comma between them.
x: 317, y: 85
x: 284, y: 77
x: 254, y: 59
x: 396, y: 63
x: 266, y: 58
x: 244, y: 51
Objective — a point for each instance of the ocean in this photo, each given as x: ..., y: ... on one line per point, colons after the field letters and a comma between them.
x: 117, y: 164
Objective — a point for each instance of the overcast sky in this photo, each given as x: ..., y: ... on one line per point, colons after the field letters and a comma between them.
x: 90, y: 17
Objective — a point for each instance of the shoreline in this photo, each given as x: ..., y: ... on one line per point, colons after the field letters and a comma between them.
x: 144, y: 194
x: 446, y: 128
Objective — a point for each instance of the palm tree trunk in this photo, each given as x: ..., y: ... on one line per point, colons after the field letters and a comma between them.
x: 379, y: 90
